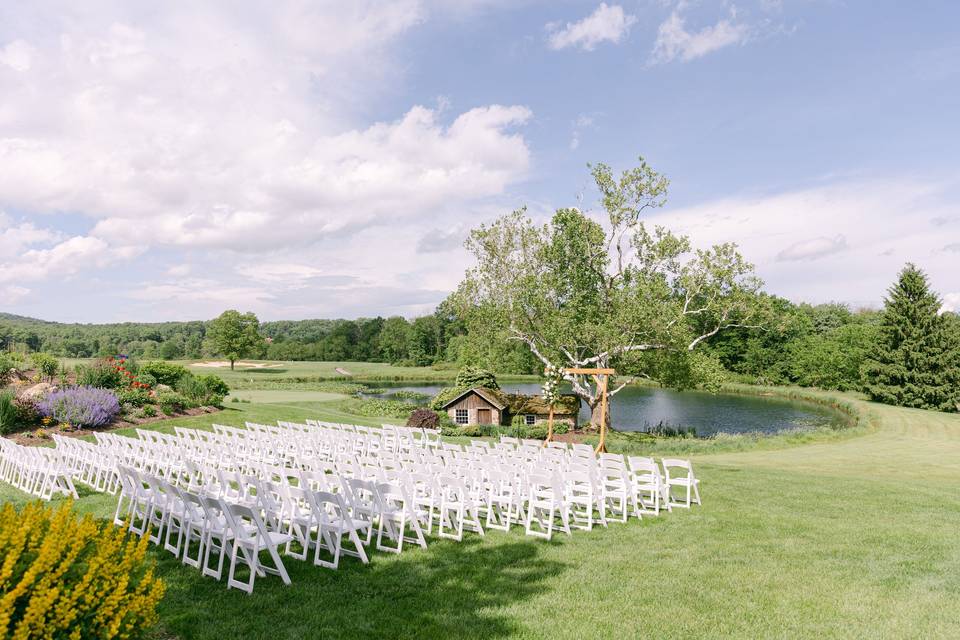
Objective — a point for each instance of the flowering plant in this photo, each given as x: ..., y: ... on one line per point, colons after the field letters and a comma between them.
x: 81, y: 406
x: 551, y: 386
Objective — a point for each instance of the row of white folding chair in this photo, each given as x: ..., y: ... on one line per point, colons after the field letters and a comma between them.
x: 39, y: 471
x: 159, y: 509
x: 88, y: 463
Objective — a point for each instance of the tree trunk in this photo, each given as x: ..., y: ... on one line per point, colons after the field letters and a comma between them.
x: 231, y: 364
x: 595, y: 413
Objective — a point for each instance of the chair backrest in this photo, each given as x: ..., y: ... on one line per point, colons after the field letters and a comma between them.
x: 684, y: 467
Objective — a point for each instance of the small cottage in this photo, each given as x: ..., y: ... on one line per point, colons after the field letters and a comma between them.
x: 480, y: 405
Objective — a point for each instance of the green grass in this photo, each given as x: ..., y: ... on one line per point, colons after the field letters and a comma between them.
x: 851, y: 536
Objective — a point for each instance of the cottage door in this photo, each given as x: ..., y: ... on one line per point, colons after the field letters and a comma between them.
x: 483, y: 416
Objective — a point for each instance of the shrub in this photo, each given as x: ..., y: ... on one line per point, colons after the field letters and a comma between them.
x: 134, y: 396
x: 376, y: 407
x: 469, y: 430
x: 81, y: 406
x: 214, y: 384
x: 45, y: 364
x: 148, y: 411
x: 423, y: 419
x: 164, y: 372
x: 27, y: 412
x: 8, y: 412
x: 201, y: 389
x: 68, y: 577
x: 470, y: 377
x: 171, y: 402
x: 147, y: 379
x: 100, y: 373
x: 7, y: 367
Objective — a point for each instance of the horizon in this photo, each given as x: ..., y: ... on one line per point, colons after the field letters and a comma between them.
x: 327, y: 162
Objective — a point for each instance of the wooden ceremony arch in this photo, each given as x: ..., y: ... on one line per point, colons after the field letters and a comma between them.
x: 602, y: 381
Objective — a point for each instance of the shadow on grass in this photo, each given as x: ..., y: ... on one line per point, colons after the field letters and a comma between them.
x: 449, y: 590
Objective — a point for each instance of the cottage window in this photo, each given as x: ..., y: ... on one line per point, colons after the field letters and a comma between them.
x: 530, y: 418
x: 462, y: 416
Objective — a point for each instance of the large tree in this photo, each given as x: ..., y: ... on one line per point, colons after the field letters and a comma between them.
x: 581, y: 293
x: 916, y: 359
x: 235, y: 335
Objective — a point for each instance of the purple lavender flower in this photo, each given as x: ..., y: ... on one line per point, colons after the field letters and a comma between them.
x: 81, y: 406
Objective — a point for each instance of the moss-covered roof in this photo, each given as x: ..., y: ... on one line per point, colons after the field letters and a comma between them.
x: 567, y: 404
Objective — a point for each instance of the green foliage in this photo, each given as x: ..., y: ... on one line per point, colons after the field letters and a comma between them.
x: 45, y: 364
x: 7, y: 368
x: 148, y: 411
x: 133, y: 396
x: 8, y: 412
x: 100, y: 373
x: 214, y: 384
x: 235, y: 335
x: 166, y: 373
x: 202, y: 390
x: 147, y: 378
x: 172, y: 402
x: 376, y: 407
x: 579, y: 293
x: 916, y: 359
x: 413, y: 397
x: 833, y: 359
x: 470, y: 377
x: 445, y: 395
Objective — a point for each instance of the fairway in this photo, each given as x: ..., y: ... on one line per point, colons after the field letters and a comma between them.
x: 848, y: 538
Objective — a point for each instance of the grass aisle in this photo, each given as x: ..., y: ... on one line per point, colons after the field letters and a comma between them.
x: 849, y: 538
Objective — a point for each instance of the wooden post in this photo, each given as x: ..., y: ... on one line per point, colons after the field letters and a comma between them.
x: 602, y: 446
x: 549, y: 428
x: 596, y: 373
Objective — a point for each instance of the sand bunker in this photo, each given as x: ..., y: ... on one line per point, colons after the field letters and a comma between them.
x: 245, y: 365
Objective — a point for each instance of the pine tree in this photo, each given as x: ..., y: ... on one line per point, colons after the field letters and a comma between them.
x: 916, y: 359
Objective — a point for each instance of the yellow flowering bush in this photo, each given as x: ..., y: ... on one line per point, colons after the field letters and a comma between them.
x: 64, y: 577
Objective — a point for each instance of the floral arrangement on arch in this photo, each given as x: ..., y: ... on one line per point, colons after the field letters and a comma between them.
x: 551, y: 386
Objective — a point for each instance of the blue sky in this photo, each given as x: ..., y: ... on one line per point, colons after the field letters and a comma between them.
x: 326, y: 159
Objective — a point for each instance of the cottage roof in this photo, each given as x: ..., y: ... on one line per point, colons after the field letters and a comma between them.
x: 490, y: 395
x: 566, y: 404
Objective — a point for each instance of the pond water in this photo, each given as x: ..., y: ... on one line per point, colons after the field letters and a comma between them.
x: 638, y: 408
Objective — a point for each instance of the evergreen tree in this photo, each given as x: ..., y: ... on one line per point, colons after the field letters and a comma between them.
x: 916, y: 359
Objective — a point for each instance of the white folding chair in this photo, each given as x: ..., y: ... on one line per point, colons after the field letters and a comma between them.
x: 683, y: 478
x: 251, y: 537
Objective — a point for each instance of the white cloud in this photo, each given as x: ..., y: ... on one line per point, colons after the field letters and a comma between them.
x: 582, y: 122
x: 178, y: 270
x: 813, y: 248
x: 14, y: 238
x: 951, y: 302
x: 675, y: 41
x: 608, y: 23
x: 12, y: 294
x: 842, y: 232
x: 66, y: 258
x: 203, y: 127
x: 16, y: 55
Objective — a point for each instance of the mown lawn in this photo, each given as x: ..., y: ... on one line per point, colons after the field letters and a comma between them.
x: 846, y: 537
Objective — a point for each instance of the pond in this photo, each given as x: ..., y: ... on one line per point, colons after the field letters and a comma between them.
x: 639, y: 408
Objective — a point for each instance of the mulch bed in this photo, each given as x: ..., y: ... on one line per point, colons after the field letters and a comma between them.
x: 28, y: 439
